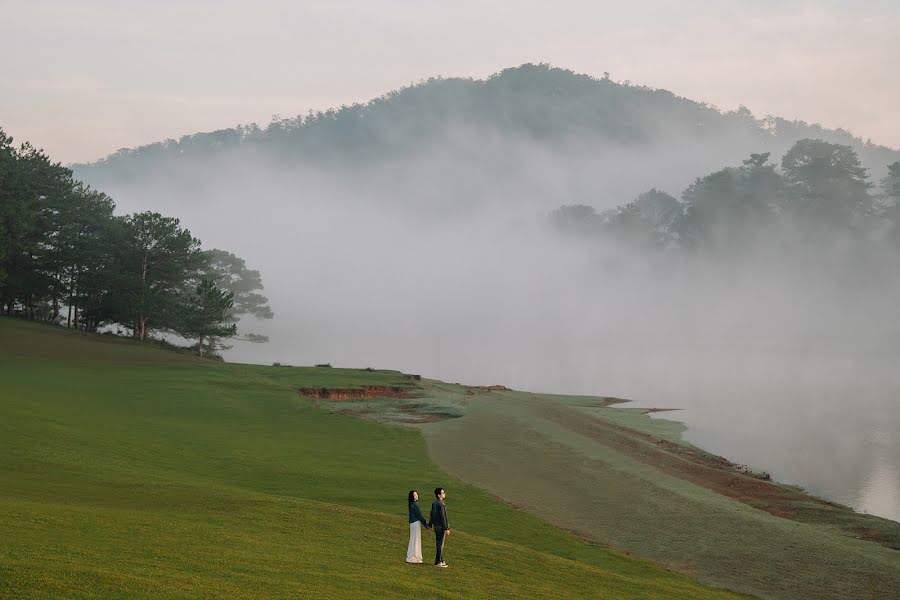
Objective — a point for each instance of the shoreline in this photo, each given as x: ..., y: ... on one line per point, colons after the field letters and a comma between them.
x: 635, y: 432
x: 685, y: 427
x: 651, y: 493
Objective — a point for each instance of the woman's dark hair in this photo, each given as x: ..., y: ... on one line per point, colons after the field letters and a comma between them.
x: 411, y: 498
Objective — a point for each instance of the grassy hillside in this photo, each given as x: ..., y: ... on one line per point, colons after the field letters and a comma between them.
x: 128, y: 471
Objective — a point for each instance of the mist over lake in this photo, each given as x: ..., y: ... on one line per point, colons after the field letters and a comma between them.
x: 450, y: 263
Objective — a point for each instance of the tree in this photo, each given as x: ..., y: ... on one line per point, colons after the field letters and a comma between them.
x: 154, y: 259
x: 93, y: 256
x: 61, y: 247
x: 230, y: 273
x: 207, y: 314
x: 50, y: 233
x: 76, y: 254
x: 650, y: 219
x: 829, y: 183
x: 891, y: 184
x: 577, y: 218
x: 729, y: 209
x: 7, y: 197
x: 890, y: 212
x: 32, y: 187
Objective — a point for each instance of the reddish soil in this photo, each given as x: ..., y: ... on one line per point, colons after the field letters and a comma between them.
x: 366, y: 391
x: 873, y: 535
x: 419, y: 417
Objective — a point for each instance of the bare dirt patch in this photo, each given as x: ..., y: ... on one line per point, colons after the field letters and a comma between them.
x: 474, y: 389
x: 407, y: 414
x: 366, y: 391
x: 414, y: 414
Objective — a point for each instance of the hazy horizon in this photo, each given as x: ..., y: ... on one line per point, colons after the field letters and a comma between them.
x: 84, y: 81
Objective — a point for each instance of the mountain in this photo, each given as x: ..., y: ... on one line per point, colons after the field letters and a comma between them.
x: 601, y: 136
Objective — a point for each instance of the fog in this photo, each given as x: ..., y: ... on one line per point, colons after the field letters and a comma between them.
x: 446, y: 266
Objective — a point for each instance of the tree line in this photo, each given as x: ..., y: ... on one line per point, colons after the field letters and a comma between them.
x: 66, y: 258
x: 818, y: 190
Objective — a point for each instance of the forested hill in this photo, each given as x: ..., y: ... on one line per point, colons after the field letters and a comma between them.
x: 539, y: 106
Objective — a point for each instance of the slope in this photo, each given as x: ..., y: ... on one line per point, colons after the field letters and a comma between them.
x: 131, y: 471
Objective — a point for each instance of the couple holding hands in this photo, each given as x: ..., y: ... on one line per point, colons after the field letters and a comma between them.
x: 437, y: 521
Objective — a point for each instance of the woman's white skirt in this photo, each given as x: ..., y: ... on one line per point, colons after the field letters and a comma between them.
x: 414, y: 551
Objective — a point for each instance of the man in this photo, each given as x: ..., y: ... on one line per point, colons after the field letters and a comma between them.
x: 438, y: 520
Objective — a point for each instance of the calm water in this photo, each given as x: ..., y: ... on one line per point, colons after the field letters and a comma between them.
x: 829, y: 425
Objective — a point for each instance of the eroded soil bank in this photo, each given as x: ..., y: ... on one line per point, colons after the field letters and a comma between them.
x: 365, y: 391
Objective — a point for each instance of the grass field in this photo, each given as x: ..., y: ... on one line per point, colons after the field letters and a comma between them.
x: 619, y: 477
x: 128, y: 471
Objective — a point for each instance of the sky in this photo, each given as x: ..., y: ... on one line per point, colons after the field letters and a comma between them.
x: 83, y: 79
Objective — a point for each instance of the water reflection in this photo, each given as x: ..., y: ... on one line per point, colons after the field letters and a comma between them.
x: 880, y: 492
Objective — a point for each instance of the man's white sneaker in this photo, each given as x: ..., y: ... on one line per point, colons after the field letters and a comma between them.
x: 442, y: 565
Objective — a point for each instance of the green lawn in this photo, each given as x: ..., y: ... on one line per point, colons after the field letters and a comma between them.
x: 129, y: 471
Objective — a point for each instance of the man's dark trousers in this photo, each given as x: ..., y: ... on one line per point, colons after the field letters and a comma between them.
x: 439, y: 541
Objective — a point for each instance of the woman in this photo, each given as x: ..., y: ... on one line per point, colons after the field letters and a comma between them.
x: 416, y: 521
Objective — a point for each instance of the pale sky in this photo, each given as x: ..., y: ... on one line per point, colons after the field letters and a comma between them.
x: 84, y: 78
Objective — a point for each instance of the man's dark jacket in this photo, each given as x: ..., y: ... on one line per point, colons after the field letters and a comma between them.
x: 438, y: 518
